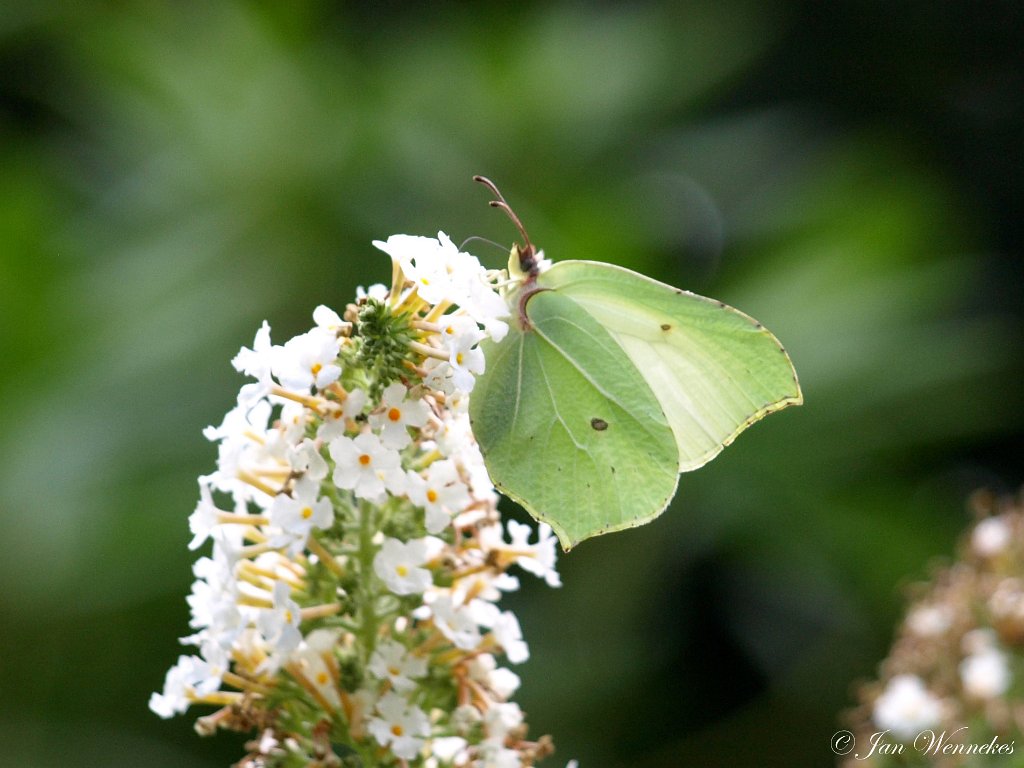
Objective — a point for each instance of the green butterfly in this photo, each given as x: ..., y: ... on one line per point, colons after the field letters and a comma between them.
x: 609, y: 384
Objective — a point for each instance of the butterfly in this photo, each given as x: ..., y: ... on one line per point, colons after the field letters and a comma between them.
x: 610, y: 384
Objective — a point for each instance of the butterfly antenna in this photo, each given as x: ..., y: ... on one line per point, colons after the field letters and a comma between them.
x: 526, y: 254
x: 478, y: 239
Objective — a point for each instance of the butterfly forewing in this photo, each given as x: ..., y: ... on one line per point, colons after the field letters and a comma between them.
x: 713, y: 369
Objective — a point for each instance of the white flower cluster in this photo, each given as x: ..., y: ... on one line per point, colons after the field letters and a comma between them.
x: 349, y: 605
x: 955, y: 667
x: 906, y: 707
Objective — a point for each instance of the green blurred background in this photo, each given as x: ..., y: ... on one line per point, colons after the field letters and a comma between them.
x: 850, y: 173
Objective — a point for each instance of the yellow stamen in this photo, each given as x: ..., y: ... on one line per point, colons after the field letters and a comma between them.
x: 427, y: 351
x: 435, y: 314
x: 394, y: 414
x: 410, y: 303
x: 324, y: 556
x: 244, y: 683
x: 254, y: 437
x: 219, y: 698
x: 319, y: 611
x: 306, y: 400
x: 296, y: 671
x: 397, y: 279
x: 227, y: 517
x: 255, y: 482
x: 256, y: 602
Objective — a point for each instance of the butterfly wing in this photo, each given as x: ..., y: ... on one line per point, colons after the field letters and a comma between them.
x: 714, y: 370
x: 569, y: 428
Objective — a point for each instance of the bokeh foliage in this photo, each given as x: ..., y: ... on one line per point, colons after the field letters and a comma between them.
x: 172, y: 174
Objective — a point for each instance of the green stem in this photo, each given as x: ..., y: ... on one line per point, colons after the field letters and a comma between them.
x: 367, y: 550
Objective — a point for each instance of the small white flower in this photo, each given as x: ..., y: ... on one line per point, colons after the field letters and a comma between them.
x: 439, y: 376
x: 398, y: 412
x: 985, y: 674
x: 377, y: 291
x: 242, y: 420
x: 366, y: 467
x: 538, y: 559
x: 485, y: 670
x: 455, y: 622
x: 1007, y: 600
x: 336, y: 420
x: 478, y: 298
x: 391, y: 661
x: 441, y: 493
x: 305, y: 458
x: 465, y: 718
x: 401, y: 726
x: 215, y: 613
x: 213, y: 601
x: 500, y: 719
x: 459, y: 332
x: 307, y: 360
x: 327, y: 319
x: 497, y: 756
x: 466, y: 364
x: 311, y: 661
x: 297, y: 515
x: 190, y: 678
x: 509, y: 636
x: 280, y: 625
x: 424, y: 261
x: 257, y: 362
x: 448, y: 748
x: 204, y: 519
x: 991, y: 536
x: 906, y: 707
x: 399, y: 564
x: 930, y: 620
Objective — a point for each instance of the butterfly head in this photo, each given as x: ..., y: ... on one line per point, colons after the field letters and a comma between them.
x: 524, y: 261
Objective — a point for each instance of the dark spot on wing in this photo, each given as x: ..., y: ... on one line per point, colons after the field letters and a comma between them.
x: 599, y: 424
x: 666, y: 327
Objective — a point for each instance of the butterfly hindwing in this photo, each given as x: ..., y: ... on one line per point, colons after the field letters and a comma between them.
x: 569, y: 428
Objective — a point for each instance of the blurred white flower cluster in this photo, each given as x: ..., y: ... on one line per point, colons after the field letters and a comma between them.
x: 348, y: 612
x: 954, y: 671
